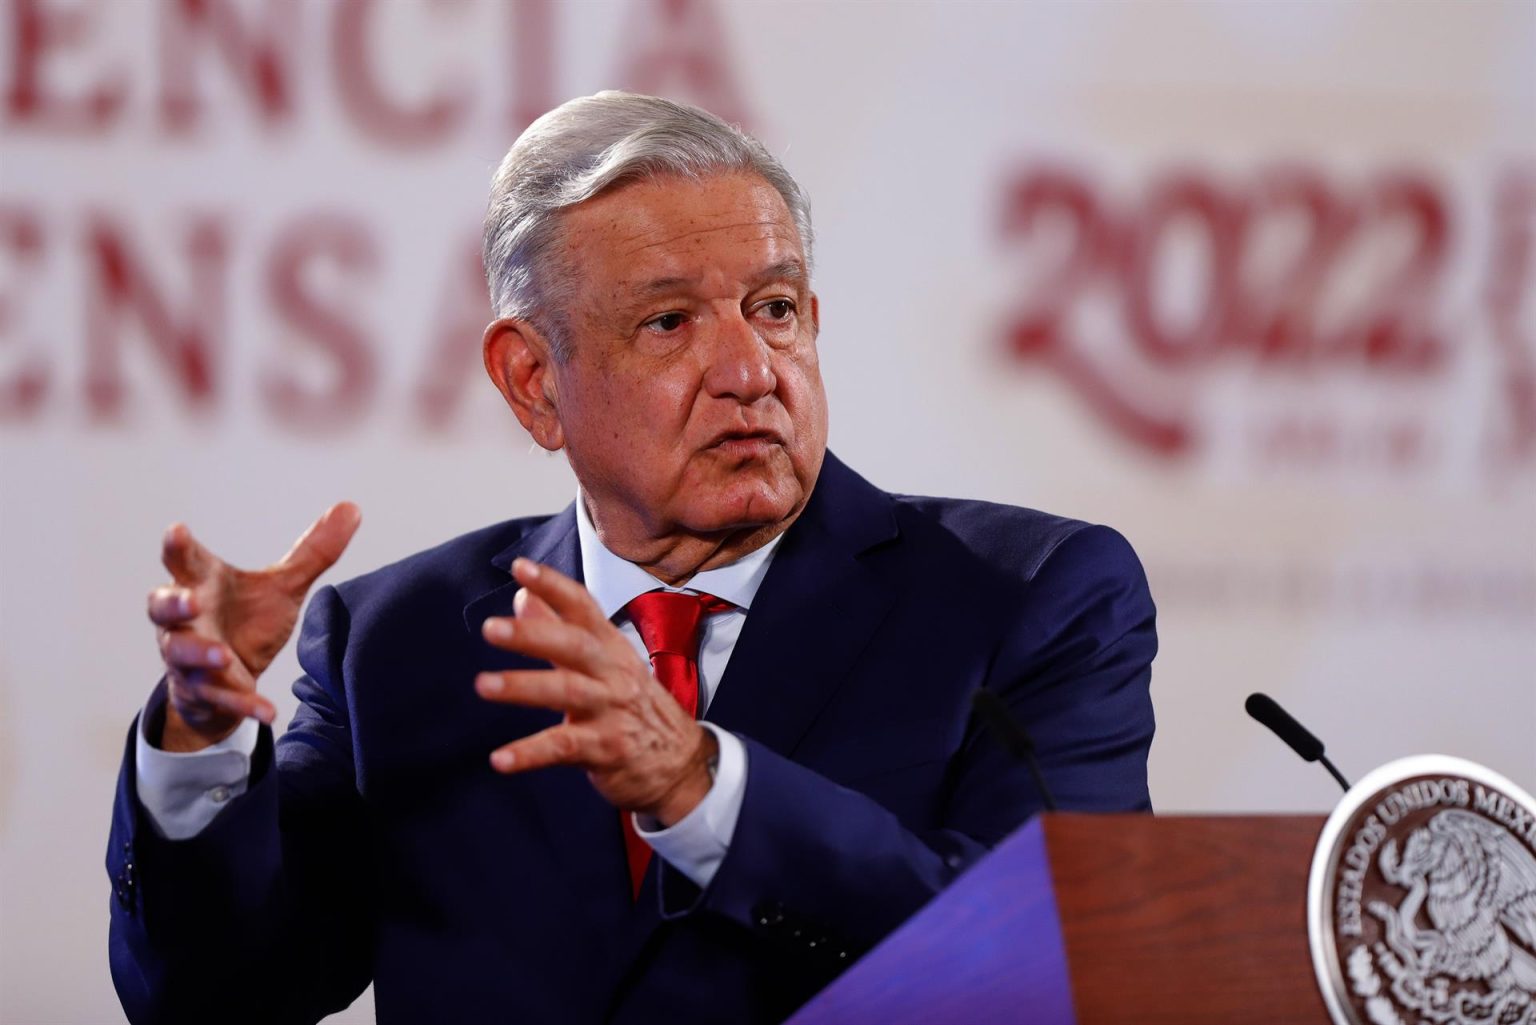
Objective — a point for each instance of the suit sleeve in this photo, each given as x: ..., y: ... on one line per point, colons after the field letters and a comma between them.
x: 261, y: 916
x: 832, y: 870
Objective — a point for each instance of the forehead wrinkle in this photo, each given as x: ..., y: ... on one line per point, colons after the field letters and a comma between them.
x: 772, y: 229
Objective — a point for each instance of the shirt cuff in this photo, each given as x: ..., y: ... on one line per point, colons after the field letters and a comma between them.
x: 183, y: 792
x: 696, y: 844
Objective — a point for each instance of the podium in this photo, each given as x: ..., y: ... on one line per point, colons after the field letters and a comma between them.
x: 1105, y: 919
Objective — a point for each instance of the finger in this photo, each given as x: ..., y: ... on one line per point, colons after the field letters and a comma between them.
x: 558, y: 689
x: 320, y: 546
x: 172, y: 606
x: 556, y: 642
x: 566, y: 744
x: 569, y: 600
x: 184, y: 557
x: 527, y: 605
x: 191, y: 652
x: 193, y: 711
x: 198, y: 694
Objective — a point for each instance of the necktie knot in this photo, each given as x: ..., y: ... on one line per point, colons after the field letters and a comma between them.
x: 669, y: 621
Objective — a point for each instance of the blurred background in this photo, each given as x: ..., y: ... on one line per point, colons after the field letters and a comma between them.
x: 1255, y: 283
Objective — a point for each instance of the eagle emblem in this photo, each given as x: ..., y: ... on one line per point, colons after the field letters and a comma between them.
x: 1477, y: 886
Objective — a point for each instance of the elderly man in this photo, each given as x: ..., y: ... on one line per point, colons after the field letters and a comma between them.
x: 724, y: 696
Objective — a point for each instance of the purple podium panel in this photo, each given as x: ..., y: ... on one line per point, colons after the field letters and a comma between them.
x: 987, y: 949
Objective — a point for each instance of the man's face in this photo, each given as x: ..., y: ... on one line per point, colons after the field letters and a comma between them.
x: 691, y: 402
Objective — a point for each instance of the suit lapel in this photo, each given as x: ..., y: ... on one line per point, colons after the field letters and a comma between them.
x: 582, y: 828
x: 553, y: 543
x: 816, y: 610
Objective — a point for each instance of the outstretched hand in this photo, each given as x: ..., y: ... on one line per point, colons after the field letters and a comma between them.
x: 221, y: 626
x: 641, y: 750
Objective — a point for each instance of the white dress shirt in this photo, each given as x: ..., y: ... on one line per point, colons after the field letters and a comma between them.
x: 183, y: 792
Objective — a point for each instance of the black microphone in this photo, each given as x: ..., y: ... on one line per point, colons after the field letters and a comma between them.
x: 1263, y: 708
x: 1013, y: 738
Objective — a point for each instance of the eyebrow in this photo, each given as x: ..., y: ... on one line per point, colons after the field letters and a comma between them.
x: 785, y: 270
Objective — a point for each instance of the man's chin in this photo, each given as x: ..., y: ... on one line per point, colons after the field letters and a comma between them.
x: 759, y: 504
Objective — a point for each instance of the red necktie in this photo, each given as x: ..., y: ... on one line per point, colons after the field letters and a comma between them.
x: 669, y: 623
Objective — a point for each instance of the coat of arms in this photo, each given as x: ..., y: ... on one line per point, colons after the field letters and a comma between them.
x: 1422, y: 900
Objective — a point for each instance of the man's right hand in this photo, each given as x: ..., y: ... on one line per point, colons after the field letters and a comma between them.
x: 220, y: 627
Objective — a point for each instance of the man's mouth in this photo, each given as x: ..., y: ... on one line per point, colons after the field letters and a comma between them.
x: 746, y: 442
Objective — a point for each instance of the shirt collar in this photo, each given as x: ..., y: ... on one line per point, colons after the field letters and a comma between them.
x: 614, y: 582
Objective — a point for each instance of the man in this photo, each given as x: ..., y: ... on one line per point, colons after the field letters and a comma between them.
x: 650, y: 269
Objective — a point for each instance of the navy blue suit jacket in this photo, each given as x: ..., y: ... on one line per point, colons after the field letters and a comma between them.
x: 375, y: 842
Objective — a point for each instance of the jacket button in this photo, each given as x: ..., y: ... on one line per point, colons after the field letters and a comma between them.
x: 769, y: 914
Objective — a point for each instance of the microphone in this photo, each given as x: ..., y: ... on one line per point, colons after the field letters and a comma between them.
x: 1011, y: 735
x: 1264, y: 708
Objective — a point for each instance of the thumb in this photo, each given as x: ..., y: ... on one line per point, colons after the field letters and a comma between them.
x: 320, y: 546
x: 184, y: 556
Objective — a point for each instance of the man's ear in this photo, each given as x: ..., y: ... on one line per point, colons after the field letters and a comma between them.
x: 519, y: 360
x: 815, y: 315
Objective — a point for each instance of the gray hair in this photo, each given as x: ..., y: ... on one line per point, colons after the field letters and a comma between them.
x: 583, y: 148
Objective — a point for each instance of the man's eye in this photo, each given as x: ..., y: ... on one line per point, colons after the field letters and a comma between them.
x: 666, y: 323
x: 778, y: 309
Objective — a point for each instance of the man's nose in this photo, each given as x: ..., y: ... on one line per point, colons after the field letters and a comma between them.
x: 740, y: 362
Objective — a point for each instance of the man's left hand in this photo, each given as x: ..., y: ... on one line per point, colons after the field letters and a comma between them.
x: 641, y: 750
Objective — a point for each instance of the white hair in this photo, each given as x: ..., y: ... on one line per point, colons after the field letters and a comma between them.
x: 583, y: 148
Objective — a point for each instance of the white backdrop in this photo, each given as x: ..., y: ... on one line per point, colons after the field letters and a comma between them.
x: 1254, y: 283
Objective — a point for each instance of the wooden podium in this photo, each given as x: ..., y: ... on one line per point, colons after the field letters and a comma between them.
x: 1101, y: 919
